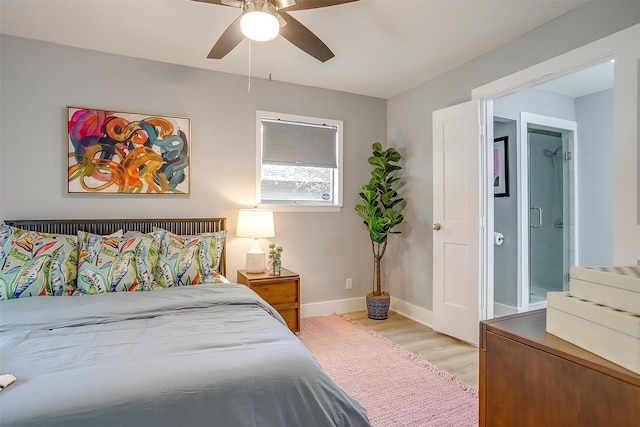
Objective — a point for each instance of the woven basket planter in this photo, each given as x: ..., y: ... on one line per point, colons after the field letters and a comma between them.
x: 378, y: 306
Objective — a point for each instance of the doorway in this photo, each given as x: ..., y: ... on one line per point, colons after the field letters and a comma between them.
x: 539, y: 217
x: 623, y: 234
x: 548, y: 214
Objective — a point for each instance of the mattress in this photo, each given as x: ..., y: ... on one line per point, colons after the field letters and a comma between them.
x: 212, y: 354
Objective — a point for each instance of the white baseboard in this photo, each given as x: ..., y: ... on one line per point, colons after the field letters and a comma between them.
x: 325, y: 308
x: 413, y: 312
x: 537, y: 306
x: 500, y: 310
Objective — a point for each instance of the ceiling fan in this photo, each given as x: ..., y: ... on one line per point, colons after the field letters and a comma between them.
x: 277, y: 20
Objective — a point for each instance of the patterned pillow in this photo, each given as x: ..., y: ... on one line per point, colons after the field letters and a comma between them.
x: 34, y: 264
x: 115, y: 264
x: 188, y: 260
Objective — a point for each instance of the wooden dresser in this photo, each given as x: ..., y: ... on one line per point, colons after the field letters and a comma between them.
x: 531, y: 378
x: 281, y: 292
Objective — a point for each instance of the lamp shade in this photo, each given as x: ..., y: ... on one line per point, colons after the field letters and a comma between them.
x: 255, y: 223
x: 259, y: 21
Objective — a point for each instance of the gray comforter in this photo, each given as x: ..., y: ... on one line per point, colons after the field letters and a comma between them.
x: 214, y: 355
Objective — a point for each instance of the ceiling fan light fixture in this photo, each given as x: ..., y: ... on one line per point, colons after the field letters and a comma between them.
x: 259, y: 21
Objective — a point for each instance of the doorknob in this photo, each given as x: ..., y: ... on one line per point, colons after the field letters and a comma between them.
x: 436, y: 226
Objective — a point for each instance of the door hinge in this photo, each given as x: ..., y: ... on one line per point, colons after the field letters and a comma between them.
x: 568, y: 155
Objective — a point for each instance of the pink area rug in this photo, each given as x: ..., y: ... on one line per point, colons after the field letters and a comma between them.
x: 396, y: 387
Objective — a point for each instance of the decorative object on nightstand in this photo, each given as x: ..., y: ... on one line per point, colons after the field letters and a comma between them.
x: 255, y: 224
x: 281, y: 292
x: 275, y: 259
x: 381, y: 209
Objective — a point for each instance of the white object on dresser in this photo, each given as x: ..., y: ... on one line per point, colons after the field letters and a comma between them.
x: 609, y: 333
x: 613, y: 286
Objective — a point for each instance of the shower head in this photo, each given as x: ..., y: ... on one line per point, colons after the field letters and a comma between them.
x: 550, y: 154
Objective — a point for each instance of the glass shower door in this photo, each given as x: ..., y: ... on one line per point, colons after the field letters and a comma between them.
x: 548, y: 263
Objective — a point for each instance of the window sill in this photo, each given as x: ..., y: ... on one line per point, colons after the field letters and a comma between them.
x: 300, y: 208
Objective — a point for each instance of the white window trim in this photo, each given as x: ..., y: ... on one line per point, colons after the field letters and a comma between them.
x: 294, y: 207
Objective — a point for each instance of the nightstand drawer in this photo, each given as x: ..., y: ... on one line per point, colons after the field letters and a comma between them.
x: 292, y: 317
x: 281, y: 292
x: 277, y: 292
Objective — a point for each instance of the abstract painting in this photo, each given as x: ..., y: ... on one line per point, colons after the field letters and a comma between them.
x: 127, y: 153
x: 501, y: 167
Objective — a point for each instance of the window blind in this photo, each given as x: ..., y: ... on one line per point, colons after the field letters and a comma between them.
x: 300, y: 144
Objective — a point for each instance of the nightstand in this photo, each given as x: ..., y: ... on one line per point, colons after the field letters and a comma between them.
x: 281, y: 292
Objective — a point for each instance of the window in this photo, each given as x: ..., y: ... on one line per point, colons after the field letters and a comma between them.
x: 299, y: 161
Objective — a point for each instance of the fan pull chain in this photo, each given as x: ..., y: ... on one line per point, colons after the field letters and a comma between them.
x: 249, y: 82
x: 270, y: 62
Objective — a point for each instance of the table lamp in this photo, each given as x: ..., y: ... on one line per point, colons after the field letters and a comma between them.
x: 256, y: 224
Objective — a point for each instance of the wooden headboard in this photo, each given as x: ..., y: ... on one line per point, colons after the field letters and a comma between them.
x: 184, y: 226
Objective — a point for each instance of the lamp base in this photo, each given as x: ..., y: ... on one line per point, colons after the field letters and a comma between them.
x: 255, y: 262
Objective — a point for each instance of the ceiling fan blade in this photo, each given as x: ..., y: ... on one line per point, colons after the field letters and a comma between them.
x: 304, y: 39
x: 231, y: 38
x: 281, y: 20
x: 231, y: 3
x: 314, y: 4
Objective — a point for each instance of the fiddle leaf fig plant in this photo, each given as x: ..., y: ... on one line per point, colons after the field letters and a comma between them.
x: 380, y: 205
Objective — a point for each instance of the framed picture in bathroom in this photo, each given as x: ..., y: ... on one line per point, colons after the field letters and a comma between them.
x: 501, y: 167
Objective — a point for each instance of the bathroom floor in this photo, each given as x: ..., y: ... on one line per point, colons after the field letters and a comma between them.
x: 537, y: 298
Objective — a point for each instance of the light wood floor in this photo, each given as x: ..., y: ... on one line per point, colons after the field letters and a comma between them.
x: 443, y: 351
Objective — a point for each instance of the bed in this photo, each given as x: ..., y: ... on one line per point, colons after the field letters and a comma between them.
x: 211, y: 354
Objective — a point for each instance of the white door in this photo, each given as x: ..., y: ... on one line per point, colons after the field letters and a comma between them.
x: 456, y: 221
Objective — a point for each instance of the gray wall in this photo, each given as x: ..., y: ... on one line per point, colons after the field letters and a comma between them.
x: 594, y: 114
x: 505, y: 216
x: 410, y: 126
x: 37, y: 81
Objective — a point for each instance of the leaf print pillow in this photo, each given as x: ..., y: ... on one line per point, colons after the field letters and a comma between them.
x: 36, y: 264
x: 115, y: 264
x: 187, y: 260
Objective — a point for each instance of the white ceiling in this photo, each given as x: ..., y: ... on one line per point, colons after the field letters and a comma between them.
x: 382, y: 47
x: 582, y: 82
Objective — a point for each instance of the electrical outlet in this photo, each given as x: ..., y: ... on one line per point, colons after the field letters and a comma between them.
x: 349, y: 283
